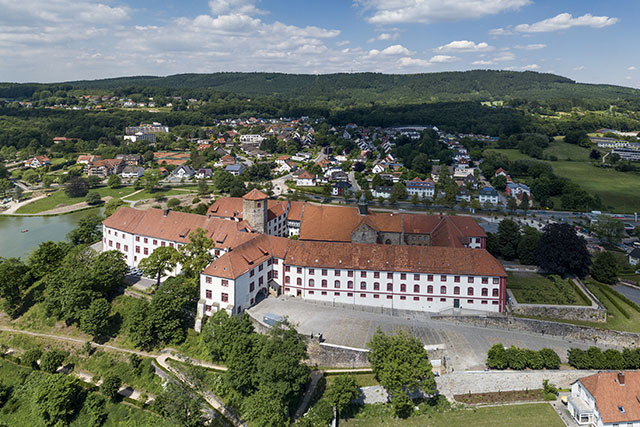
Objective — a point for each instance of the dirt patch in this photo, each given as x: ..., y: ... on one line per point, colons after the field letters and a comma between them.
x: 500, y: 397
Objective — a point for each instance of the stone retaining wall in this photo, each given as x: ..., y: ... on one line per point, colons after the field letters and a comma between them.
x: 586, y: 334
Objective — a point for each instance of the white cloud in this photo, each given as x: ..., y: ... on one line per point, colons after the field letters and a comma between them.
x: 500, y: 32
x: 440, y: 59
x: 464, y: 46
x: 530, y: 67
x: 384, y: 37
x: 396, y: 49
x: 504, y: 57
x: 537, y: 46
x: 579, y: 68
x: 632, y: 68
x: 413, y: 62
x: 244, y: 7
x: 565, y: 21
x: 343, y: 43
x: 427, y: 11
x: 482, y: 62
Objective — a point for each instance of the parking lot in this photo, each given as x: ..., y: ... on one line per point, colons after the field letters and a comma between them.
x: 466, y: 346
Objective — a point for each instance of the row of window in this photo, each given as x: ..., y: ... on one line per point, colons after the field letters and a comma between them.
x: 402, y: 297
x: 403, y: 276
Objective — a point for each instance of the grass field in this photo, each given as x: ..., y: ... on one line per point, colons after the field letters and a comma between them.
x: 532, y: 288
x: 144, y: 194
x: 511, y: 153
x: 363, y: 379
x: 564, y: 151
x: 527, y: 415
x: 60, y: 198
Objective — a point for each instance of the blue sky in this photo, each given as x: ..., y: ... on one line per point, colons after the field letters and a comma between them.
x: 58, y: 40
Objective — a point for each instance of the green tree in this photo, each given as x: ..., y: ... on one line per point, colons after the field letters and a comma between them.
x: 46, y: 258
x: 561, y: 251
x: 499, y: 182
x: 88, y: 231
x: 110, y: 386
x: 550, y: 358
x: 95, y: 319
x: 221, y: 331
x: 178, y: 404
x: 169, y: 312
x: 497, y: 357
x: 266, y: 407
x: 114, y: 181
x: 151, y: 179
x: 76, y: 187
x: 512, y: 204
x: 605, y: 268
x: 93, y: 181
x: 93, y: 198
x: 52, y: 360
x: 398, y: 192
x: 421, y: 164
x: 343, y: 390
x: 609, y: 229
x: 401, y: 404
x: 525, y: 203
x: 173, y: 203
x: 47, y: 180
x: 203, y: 188
x: 30, y: 358
x: 508, y: 238
x: 161, y: 260
x: 112, y: 206
x: 108, y: 270
x: 56, y: 398
x: 5, y: 186
x: 196, y: 255
x: 577, y: 137
x: 96, y: 407
x: 527, y: 245
x: 15, y: 280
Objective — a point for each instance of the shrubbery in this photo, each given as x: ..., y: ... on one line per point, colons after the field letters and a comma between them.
x: 519, y: 358
x: 595, y: 358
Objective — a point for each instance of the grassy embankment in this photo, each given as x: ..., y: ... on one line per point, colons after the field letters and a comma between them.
x: 59, y: 198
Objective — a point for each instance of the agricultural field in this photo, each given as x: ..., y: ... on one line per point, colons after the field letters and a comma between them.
x: 532, y: 288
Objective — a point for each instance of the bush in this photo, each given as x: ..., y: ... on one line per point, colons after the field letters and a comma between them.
x: 93, y: 198
x: 497, y: 357
x: 96, y: 407
x: 110, y: 386
x: 51, y: 360
x: 550, y: 358
x: 173, y: 203
x: 518, y: 358
x: 30, y: 358
x: 195, y: 200
x: 402, y: 404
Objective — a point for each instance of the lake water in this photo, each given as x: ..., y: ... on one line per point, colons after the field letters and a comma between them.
x: 15, y: 243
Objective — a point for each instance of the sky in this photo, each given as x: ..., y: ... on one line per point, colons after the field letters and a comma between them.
x: 61, y: 40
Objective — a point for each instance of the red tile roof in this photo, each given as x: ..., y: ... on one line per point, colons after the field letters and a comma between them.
x: 231, y: 207
x: 610, y: 394
x: 295, y: 211
x: 176, y: 226
x: 255, y: 194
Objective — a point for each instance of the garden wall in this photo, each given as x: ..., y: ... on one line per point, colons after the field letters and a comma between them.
x: 593, y: 313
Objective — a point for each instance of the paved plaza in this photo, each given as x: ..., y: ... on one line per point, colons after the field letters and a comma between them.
x: 466, y: 346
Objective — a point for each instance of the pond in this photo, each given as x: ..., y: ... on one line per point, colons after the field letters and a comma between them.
x: 15, y: 243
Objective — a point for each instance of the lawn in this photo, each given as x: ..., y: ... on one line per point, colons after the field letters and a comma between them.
x: 365, y: 379
x: 144, y: 194
x: 511, y: 153
x: 564, y: 151
x: 526, y: 415
x: 532, y: 288
x: 60, y: 198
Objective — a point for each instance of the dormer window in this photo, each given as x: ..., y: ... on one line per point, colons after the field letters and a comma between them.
x: 621, y: 409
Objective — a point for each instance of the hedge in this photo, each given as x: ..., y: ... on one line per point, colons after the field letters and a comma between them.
x: 595, y: 358
x: 518, y: 358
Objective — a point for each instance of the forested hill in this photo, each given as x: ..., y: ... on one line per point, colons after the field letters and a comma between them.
x: 478, y: 85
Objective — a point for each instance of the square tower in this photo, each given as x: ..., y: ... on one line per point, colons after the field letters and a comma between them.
x: 254, y: 210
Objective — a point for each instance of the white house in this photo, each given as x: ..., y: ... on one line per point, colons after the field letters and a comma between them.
x: 286, y: 166
x: 423, y: 189
x: 488, y: 195
x: 305, y: 179
x: 251, y: 139
x: 132, y: 172
x: 383, y: 191
x: 606, y: 399
x: 37, y: 162
x: 182, y: 172
x: 634, y: 256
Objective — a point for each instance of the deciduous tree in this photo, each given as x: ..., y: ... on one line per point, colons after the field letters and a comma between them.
x: 561, y: 251
x: 161, y: 260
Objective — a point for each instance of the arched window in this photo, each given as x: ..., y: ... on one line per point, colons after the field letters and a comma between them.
x: 469, y: 291
x: 389, y: 287
x: 443, y: 289
x: 456, y: 290
x: 485, y: 292
x: 416, y: 288
x: 403, y: 287
x: 324, y: 283
x: 430, y: 289
x: 312, y: 283
x: 363, y: 285
x: 387, y: 242
x: 336, y: 284
x: 350, y: 284
x: 299, y: 281
x: 495, y: 292
x: 376, y: 286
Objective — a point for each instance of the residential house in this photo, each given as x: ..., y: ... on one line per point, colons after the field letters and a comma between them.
x: 37, y: 162
x: 339, y: 188
x: 501, y: 172
x: 463, y: 194
x: 235, y: 169
x: 423, y: 189
x: 516, y: 190
x: 132, y: 172
x: 634, y: 256
x: 85, y: 159
x: 606, y: 399
x: 227, y: 160
x: 204, y: 173
x: 471, y: 182
x: 130, y: 159
x: 383, y: 191
x: 283, y: 159
x: 488, y: 195
x: 251, y: 139
x: 182, y: 172
x: 104, y: 167
x: 305, y: 179
x: 287, y: 167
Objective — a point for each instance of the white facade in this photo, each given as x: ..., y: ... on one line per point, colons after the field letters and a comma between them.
x: 251, y: 139
x: 582, y: 406
x: 421, y: 192
x: 305, y: 182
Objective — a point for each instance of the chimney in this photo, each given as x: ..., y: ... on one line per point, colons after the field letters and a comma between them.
x: 621, y: 378
x: 166, y: 212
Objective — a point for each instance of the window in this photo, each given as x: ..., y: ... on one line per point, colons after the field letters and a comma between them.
x: 430, y: 289
x: 402, y: 297
x: 496, y: 280
x: 363, y: 274
x: 349, y: 273
x: 324, y: 283
x: 389, y: 296
x: 252, y: 286
x: 312, y: 271
x: 350, y: 284
x: 324, y: 272
x: 389, y: 275
x: 208, y: 279
x: 484, y: 302
x: 403, y: 276
x: 403, y: 287
x: 224, y: 297
x: 376, y: 274
x: 275, y: 262
x: 363, y: 295
x: 416, y: 298
x: 260, y: 267
x: 171, y: 244
x: 495, y: 302
x: 299, y: 281
x: 429, y: 299
x: 146, y: 251
x: 469, y: 279
x: 324, y: 292
x: 337, y: 294
x: 252, y: 273
x: 311, y: 292
x: 146, y: 240
x: 336, y: 284
x: 443, y: 300
x: 485, y: 292
x: 443, y: 289
x: 311, y: 283
x: 376, y: 286
x: 416, y: 277
x: 225, y: 282
x: 469, y: 301
x: 155, y: 242
x: 251, y: 301
x: 389, y: 287
x: 376, y: 296
x: 456, y: 290
x: 287, y: 279
x: 126, y: 248
x: 456, y: 279
x: 485, y: 280
x: 349, y: 294
x: 443, y: 278
x: 110, y: 242
x: 430, y: 277
x: 469, y: 291
x: 261, y: 280
x: 275, y: 274
x: 163, y: 243
x: 269, y: 261
x: 287, y: 268
x: 495, y: 292
x: 117, y: 245
x: 208, y: 294
x: 416, y: 288
x: 363, y: 285
x: 336, y: 273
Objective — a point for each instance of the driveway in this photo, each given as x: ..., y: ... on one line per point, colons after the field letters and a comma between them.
x: 465, y: 346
